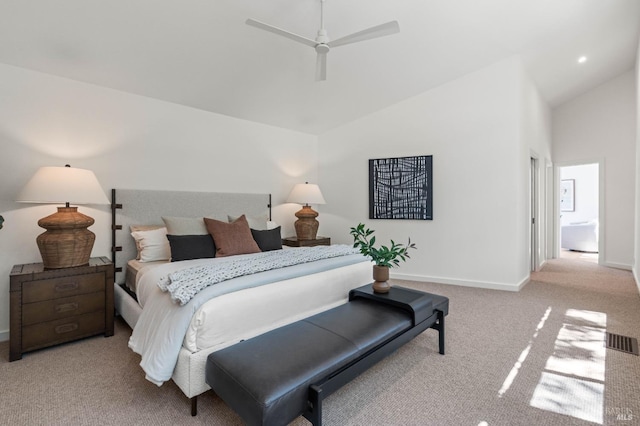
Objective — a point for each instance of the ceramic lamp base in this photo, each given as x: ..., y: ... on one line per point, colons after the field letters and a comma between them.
x: 306, y: 225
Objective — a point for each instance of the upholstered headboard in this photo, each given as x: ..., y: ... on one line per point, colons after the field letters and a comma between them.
x: 146, y: 207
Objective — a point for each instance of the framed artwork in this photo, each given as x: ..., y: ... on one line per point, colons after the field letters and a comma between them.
x: 567, y: 195
x: 401, y: 188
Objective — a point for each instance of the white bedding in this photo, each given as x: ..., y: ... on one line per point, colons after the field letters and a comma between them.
x: 136, y: 268
x: 236, y: 315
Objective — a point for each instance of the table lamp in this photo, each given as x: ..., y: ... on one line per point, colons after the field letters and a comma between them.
x: 66, y: 242
x: 306, y: 225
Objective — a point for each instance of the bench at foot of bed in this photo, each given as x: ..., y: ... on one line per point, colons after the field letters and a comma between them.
x: 287, y: 372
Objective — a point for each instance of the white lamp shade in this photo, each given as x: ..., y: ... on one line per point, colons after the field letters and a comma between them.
x: 63, y: 185
x: 306, y: 193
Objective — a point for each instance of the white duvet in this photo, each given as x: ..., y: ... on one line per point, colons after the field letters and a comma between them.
x: 236, y: 308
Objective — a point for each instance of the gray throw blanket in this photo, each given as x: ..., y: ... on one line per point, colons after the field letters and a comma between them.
x: 183, y: 285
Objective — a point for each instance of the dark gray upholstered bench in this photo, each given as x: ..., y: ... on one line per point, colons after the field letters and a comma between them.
x: 273, y: 378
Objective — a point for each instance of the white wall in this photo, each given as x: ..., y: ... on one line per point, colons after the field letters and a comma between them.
x: 586, y: 196
x: 476, y: 131
x: 600, y: 126
x: 636, y: 263
x: 535, y: 142
x: 129, y: 142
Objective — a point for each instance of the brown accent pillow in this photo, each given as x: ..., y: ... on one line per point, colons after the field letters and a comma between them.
x: 232, y: 238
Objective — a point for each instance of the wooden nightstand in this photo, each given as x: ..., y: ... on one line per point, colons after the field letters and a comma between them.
x: 52, y: 306
x: 294, y: 242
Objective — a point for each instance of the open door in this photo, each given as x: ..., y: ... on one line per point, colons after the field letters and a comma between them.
x: 579, y: 216
x: 534, y: 195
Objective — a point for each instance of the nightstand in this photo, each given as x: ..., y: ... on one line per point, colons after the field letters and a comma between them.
x: 295, y: 242
x: 53, y: 306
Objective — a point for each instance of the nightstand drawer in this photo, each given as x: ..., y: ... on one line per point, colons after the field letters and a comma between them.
x: 48, y: 310
x: 62, y: 330
x: 54, y: 288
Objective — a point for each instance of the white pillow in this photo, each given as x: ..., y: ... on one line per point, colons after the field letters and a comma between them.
x: 153, y: 244
x: 135, y: 228
x: 259, y: 223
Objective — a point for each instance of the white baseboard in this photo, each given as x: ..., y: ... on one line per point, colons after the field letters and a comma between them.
x: 4, y: 336
x: 464, y: 283
x: 544, y: 262
x: 617, y: 265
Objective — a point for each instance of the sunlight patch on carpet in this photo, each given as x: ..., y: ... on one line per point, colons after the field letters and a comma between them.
x: 573, y: 381
x: 523, y: 356
x: 577, y: 398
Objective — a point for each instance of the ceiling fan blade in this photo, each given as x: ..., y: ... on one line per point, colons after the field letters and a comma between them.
x: 279, y: 31
x: 321, y: 67
x: 373, y: 32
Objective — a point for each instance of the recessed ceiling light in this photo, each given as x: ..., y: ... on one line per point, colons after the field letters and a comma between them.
x: 582, y: 59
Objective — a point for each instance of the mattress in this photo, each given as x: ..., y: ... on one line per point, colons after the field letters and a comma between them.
x: 136, y: 268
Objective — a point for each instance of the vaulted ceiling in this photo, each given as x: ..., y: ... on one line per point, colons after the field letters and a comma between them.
x: 202, y: 54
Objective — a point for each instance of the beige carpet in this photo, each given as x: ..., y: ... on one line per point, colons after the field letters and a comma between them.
x: 530, y: 358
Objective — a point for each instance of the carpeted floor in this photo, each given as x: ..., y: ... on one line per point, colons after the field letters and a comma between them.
x: 530, y: 358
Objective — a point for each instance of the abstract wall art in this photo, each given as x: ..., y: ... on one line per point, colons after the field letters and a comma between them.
x: 567, y: 195
x: 401, y: 188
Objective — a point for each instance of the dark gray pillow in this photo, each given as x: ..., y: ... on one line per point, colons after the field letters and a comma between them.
x: 268, y: 240
x: 186, y: 247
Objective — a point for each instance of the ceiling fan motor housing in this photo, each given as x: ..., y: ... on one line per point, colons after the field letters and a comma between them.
x: 322, y: 48
x: 322, y: 37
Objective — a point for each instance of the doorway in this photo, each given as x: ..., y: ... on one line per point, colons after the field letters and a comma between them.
x: 533, y: 231
x: 579, y: 219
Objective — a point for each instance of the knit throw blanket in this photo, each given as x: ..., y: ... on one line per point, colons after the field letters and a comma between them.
x: 184, y: 284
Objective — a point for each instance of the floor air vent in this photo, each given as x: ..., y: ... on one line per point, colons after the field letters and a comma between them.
x: 622, y: 343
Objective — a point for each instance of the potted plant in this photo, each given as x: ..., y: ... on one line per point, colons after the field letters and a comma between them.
x: 384, y: 257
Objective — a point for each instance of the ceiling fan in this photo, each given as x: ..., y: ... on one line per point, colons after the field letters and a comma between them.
x: 322, y: 44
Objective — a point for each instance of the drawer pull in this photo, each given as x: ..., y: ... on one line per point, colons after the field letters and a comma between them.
x: 66, y: 307
x: 73, y: 285
x: 66, y: 328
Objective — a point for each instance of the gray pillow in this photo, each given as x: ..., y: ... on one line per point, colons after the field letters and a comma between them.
x: 184, y: 225
x: 255, y: 222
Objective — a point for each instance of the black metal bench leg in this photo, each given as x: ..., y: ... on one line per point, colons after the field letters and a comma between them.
x: 441, y: 332
x: 194, y: 405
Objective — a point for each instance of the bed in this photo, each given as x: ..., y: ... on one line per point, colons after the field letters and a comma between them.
x: 241, y: 308
x: 580, y: 236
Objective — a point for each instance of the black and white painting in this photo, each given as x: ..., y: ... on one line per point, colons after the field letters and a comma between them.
x: 567, y: 191
x: 401, y: 188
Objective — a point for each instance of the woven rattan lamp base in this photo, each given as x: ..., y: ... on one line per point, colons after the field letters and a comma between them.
x: 66, y: 242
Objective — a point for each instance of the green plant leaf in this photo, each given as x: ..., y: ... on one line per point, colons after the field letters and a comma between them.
x: 364, y: 240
